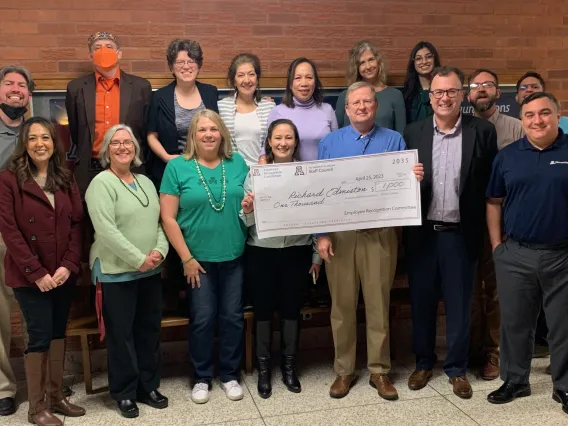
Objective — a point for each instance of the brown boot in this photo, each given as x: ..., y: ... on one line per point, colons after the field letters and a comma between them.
x: 384, y: 386
x: 342, y: 385
x: 490, y: 370
x: 58, y: 403
x: 38, y: 413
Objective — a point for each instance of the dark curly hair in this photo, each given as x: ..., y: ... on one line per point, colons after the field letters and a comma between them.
x: 273, y: 125
x: 59, y: 177
x: 178, y: 45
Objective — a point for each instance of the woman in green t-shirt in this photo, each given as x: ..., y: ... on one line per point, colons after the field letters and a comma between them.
x: 200, y: 200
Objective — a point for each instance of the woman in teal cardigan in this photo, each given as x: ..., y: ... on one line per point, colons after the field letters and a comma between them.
x: 125, y: 259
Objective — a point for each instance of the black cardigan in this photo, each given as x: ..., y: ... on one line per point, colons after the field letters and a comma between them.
x: 162, y: 120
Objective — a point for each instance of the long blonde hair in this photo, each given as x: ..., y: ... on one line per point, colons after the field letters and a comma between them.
x: 225, y: 149
x: 353, y: 62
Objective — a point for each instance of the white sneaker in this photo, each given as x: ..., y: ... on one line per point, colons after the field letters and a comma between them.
x: 200, y: 393
x: 233, y: 390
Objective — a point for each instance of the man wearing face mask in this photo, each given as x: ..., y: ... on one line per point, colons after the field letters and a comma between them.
x: 16, y: 85
x: 103, y: 99
x: 485, y: 320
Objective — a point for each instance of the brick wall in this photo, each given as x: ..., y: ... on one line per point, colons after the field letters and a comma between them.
x: 509, y: 36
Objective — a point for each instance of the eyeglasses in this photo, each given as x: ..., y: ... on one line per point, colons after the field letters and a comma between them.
x: 189, y: 63
x: 530, y: 86
x: 426, y: 58
x: 452, y: 93
x: 126, y: 144
x: 366, y: 102
x: 485, y: 85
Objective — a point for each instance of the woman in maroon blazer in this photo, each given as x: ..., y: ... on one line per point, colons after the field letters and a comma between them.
x: 40, y: 216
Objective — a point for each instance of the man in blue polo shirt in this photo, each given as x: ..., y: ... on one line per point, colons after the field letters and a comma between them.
x: 367, y: 257
x: 532, y: 263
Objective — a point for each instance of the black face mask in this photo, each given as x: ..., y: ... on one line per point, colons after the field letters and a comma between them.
x: 13, y: 113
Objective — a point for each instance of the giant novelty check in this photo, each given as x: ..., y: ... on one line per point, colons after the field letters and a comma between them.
x: 370, y: 191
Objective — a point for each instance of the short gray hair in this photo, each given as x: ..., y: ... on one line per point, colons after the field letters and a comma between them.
x: 104, y: 158
x: 24, y: 72
x: 356, y: 86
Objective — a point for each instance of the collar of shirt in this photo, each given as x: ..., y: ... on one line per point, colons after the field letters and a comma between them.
x: 559, y: 142
x: 357, y: 135
x: 493, y: 119
x: 4, y: 129
x: 100, y: 78
x: 455, y: 129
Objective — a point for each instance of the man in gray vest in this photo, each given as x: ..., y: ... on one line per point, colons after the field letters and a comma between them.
x: 16, y: 86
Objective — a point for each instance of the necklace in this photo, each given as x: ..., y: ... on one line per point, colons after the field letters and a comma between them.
x: 129, y: 189
x: 217, y: 206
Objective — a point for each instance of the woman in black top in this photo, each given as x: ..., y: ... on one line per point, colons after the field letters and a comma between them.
x: 174, y: 105
x: 424, y: 58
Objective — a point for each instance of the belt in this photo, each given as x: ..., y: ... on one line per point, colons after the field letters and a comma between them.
x: 445, y: 226
x: 558, y: 246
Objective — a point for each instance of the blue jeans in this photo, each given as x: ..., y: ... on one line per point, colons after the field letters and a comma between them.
x: 219, y: 301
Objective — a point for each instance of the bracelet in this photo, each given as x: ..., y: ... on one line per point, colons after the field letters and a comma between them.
x: 183, y: 262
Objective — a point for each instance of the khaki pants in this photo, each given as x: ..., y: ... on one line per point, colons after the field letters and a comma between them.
x: 7, y: 379
x: 485, y: 313
x: 366, y: 258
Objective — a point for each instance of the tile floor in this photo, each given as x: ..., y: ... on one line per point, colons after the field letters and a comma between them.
x: 433, y: 405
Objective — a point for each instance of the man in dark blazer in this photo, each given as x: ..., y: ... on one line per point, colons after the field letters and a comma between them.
x: 457, y: 152
x: 100, y: 100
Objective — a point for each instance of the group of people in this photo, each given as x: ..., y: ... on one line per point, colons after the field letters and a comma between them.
x: 160, y: 188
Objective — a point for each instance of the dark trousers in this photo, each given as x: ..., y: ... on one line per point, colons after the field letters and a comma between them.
x: 218, y: 301
x: 132, y: 312
x: 46, y: 313
x: 278, y: 277
x: 526, y: 279
x: 444, y: 268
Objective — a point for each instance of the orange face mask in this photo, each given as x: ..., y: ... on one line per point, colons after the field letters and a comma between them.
x: 105, y: 58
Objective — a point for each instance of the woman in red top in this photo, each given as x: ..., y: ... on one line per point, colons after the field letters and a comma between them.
x: 40, y: 216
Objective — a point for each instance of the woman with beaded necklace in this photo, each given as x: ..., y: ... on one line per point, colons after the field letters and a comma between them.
x: 200, y: 200
x: 125, y: 259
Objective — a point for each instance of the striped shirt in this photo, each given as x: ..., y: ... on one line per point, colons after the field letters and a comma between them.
x: 228, y: 110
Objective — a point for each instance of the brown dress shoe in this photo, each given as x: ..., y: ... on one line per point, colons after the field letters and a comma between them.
x: 462, y: 388
x: 384, y: 386
x: 342, y: 385
x: 419, y: 379
x: 490, y: 370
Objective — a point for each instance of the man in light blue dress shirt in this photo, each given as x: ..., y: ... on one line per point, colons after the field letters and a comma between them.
x: 362, y: 257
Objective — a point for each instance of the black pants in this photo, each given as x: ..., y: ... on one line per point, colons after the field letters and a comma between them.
x: 444, y: 268
x: 132, y: 312
x: 46, y: 313
x: 526, y: 280
x: 278, y: 278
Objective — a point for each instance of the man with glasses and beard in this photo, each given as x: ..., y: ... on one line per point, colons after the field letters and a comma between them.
x: 485, y: 317
x: 441, y: 255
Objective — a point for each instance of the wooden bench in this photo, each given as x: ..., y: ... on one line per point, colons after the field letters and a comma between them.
x: 87, y: 326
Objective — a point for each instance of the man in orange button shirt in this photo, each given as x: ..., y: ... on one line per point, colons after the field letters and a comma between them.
x: 100, y: 100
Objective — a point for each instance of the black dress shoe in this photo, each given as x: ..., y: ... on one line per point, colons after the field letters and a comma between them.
x: 562, y: 398
x: 7, y: 406
x: 508, y: 392
x: 154, y: 399
x: 128, y: 408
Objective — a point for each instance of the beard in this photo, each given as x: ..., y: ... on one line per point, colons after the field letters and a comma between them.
x: 484, y: 104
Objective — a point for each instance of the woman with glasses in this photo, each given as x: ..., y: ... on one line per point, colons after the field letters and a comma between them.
x: 174, y: 106
x: 170, y: 114
x: 424, y: 58
x: 125, y: 260
x: 367, y: 64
